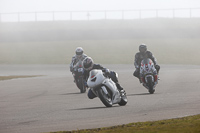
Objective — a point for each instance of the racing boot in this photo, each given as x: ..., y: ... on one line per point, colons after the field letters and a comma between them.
x: 86, y: 84
x: 140, y: 80
x: 119, y: 86
x: 121, y: 90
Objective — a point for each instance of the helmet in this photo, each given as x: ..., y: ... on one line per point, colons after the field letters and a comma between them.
x: 142, y: 48
x: 79, y: 51
x: 88, y: 63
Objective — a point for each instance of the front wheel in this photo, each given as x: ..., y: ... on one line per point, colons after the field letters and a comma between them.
x: 105, y: 97
x: 81, y: 85
x: 150, y: 85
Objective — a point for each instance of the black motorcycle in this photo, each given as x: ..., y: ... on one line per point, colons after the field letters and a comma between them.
x: 78, y: 72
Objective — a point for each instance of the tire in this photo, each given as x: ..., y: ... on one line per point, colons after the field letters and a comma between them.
x: 105, y: 98
x: 81, y: 85
x: 150, y: 85
x: 123, y: 101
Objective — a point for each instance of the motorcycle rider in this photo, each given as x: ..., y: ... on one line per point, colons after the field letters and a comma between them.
x: 89, y: 65
x: 79, y: 55
x: 139, y: 56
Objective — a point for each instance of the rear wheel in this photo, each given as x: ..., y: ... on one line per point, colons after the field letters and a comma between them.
x: 105, y: 97
x: 123, y: 101
x: 150, y: 85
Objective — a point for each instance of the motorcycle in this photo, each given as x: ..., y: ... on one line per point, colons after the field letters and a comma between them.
x: 104, y: 88
x: 78, y: 72
x: 148, y: 75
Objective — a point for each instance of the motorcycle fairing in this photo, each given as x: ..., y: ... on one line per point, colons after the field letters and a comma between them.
x: 97, y: 79
x: 147, y: 69
x: 115, y: 93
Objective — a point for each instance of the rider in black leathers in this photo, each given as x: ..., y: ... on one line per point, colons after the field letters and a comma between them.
x: 140, y: 56
x: 89, y: 65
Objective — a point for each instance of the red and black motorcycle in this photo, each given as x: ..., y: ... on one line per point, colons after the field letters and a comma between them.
x: 148, y: 75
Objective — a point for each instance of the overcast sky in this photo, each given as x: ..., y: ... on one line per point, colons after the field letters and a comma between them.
x: 77, y: 5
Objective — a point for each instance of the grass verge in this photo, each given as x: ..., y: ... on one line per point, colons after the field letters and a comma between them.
x: 14, y: 77
x: 190, y: 124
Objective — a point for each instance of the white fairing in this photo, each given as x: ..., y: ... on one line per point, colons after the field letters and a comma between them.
x: 96, y: 79
x: 111, y: 85
x: 147, y: 69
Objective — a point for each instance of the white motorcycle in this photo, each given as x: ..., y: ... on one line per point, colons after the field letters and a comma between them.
x: 149, y: 74
x: 104, y: 88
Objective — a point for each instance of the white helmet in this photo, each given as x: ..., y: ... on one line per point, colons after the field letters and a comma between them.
x: 79, y: 51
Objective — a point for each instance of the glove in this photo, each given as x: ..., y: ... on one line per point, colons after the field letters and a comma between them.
x: 106, y: 71
x: 142, y: 79
x: 71, y: 69
x: 86, y: 84
x: 157, y: 67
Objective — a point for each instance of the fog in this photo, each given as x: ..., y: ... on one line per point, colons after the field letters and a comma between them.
x: 173, y: 39
x: 107, y: 41
x: 46, y: 10
x: 77, y: 5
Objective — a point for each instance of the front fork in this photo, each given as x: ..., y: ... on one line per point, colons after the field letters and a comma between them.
x: 145, y: 81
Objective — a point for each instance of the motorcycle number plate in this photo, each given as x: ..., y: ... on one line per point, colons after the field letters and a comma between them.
x: 80, y: 69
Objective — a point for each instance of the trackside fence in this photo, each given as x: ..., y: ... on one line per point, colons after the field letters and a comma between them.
x: 100, y: 15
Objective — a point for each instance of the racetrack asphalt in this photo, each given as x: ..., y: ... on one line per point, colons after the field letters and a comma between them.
x: 52, y: 102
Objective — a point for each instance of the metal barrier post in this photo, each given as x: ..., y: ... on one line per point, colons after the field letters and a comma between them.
x: 105, y: 15
x: 122, y: 15
x: 173, y: 10
x: 156, y: 13
x: 53, y: 16
x: 70, y: 15
x: 35, y: 16
x: 18, y: 14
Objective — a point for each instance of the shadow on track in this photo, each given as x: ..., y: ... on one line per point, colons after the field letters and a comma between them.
x: 94, y: 108
x: 139, y: 94
x: 75, y: 93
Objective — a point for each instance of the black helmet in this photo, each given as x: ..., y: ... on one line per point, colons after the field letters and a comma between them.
x: 79, y: 51
x: 142, y: 48
x: 88, y: 63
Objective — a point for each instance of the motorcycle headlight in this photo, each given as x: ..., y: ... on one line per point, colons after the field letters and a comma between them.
x: 94, y: 79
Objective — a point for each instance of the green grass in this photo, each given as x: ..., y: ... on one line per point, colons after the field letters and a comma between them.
x: 14, y: 77
x: 190, y: 124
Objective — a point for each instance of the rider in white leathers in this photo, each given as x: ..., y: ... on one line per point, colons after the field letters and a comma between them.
x: 78, y: 56
x: 89, y: 65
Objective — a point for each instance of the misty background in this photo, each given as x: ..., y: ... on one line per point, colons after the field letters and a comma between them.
x: 172, y: 39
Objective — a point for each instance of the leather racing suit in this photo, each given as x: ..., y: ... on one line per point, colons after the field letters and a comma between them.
x: 139, y: 57
x: 75, y: 59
